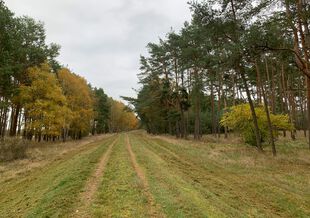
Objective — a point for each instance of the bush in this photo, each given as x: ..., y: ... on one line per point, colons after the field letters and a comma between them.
x: 239, y: 119
x: 12, y: 149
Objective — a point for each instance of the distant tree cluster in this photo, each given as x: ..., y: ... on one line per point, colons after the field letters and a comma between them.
x: 40, y: 99
x: 232, y: 52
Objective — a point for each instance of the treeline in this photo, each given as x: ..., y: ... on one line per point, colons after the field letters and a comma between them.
x: 231, y: 52
x: 40, y: 99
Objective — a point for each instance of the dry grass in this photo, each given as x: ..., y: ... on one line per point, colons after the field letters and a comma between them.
x: 52, y: 188
x: 12, y: 149
x: 40, y: 154
x: 233, y: 151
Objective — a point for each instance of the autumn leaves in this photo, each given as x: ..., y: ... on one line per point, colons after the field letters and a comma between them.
x: 56, y: 104
x: 46, y: 111
x: 40, y: 99
x: 63, y: 104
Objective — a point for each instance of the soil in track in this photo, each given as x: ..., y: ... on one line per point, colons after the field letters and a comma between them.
x: 92, y: 184
x: 53, y: 190
x: 121, y: 193
x: 154, y: 210
x: 176, y: 196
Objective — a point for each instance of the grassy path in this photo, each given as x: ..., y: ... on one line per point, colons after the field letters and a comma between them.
x: 186, y: 178
x: 92, y: 184
x: 54, y: 189
x: 177, y: 197
x: 154, y: 210
x: 121, y: 192
x: 261, y: 190
x: 137, y: 175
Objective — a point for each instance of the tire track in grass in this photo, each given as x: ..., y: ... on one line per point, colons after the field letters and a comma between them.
x: 177, y: 196
x: 93, y: 183
x: 53, y: 190
x: 254, y: 199
x: 233, y: 178
x: 287, y: 188
x: 153, y: 212
x: 120, y: 194
x: 206, y: 183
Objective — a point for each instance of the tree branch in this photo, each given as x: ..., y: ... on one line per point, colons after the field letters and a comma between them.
x: 299, y: 60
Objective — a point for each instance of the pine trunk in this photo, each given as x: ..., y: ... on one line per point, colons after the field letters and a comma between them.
x: 308, y: 108
x: 252, y: 107
x: 212, y: 107
x: 270, y: 129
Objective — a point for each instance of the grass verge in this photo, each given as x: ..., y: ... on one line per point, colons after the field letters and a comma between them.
x: 51, y: 191
x: 233, y: 180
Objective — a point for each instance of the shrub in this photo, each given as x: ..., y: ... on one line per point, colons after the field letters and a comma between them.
x: 12, y: 149
x: 239, y: 119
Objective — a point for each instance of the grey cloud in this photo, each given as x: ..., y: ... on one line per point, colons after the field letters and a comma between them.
x: 102, y: 40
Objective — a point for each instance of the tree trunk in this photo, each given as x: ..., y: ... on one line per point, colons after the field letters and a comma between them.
x: 308, y: 108
x: 285, y: 94
x: 301, y: 123
x: 273, y: 97
x: 20, y: 118
x: 197, y: 121
x: 274, y: 151
x: 292, y: 107
x: 177, y: 129
x: 4, y: 121
x: 303, y: 53
x: 219, y: 107
x: 254, y: 117
x: 234, y: 90
x: 212, y: 107
x: 258, y: 89
x: 15, y: 114
x: 197, y: 132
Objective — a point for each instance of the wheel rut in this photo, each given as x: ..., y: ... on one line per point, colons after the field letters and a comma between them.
x: 154, y: 208
x: 93, y: 183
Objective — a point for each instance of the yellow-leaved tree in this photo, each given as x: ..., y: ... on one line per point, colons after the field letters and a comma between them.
x: 80, y: 101
x: 121, y: 119
x: 45, y: 106
x: 238, y: 118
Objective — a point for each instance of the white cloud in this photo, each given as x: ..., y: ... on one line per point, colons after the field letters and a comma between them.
x: 102, y: 40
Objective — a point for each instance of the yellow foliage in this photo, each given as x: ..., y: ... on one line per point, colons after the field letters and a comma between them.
x: 45, y: 105
x: 239, y: 118
x: 79, y: 98
x: 120, y: 118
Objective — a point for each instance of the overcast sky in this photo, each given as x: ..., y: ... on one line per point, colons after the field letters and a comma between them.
x: 102, y: 40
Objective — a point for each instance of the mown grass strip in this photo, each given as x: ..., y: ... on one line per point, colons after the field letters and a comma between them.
x: 121, y: 193
x: 53, y: 190
x: 89, y: 191
x: 154, y: 210
x: 253, y: 193
x: 219, y: 192
x: 178, y: 197
x: 265, y: 189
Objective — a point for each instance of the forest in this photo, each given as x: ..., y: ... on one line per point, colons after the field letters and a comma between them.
x: 238, y: 66
x: 42, y: 100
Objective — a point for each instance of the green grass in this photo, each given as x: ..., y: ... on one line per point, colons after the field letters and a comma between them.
x: 235, y: 181
x: 185, y: 178
x: 51, y: 191
x: 177, y: 197
x: 121, y: 192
